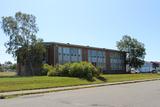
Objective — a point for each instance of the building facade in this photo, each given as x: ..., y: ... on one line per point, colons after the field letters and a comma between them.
x: 149, y: 67
x: 146, y: 68
x: 109, y: 61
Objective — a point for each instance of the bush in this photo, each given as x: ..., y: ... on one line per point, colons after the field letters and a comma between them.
x: 52, y: 72
x: 84, y: 70
x: 78, y: 69
x: 63, y: 70
x: 47, y: 69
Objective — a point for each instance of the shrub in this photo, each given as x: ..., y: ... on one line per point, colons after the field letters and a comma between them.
x: 78, y: 69
x: 52, y: 72
x: 63, y: 70
x: 89, y: 71
x: 47, y: 69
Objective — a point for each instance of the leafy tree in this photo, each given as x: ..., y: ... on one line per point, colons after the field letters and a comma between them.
x: 155, y: 65
x: 135, y: 51
x: 1, y: 68
x: 23, y: 43
x: 8, y: 63
x: 13, y: 67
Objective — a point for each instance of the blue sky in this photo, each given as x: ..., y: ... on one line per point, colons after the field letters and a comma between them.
x: 98, y: 23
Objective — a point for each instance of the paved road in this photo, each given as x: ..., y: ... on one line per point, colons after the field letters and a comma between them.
x: 146, y: 94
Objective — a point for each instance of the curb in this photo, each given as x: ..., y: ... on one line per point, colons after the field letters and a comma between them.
x: 11, y: 94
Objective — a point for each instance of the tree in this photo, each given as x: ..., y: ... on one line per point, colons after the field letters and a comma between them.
x: 12, y: 67
x: 1, y: 68
x: 155, y: 65
x: 134, y: 49
x: 21, y: 30
x: 8, y: 63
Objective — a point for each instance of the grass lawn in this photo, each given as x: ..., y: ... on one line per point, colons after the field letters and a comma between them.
x: 36, y: 82
x: 7, y: 74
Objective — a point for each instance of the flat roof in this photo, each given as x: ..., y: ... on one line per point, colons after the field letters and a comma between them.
x: 80, y: 46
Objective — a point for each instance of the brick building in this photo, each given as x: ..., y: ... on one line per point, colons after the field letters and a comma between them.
x: 110, y: 61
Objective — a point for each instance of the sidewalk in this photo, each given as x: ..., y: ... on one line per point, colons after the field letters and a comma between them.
x: 38, y: 91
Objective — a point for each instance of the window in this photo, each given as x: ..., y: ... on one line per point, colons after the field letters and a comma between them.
x: 117, y: 61
x: 60, y: 55
x: 97, y: 58
x: 67, y: 54
x: 79, y: 55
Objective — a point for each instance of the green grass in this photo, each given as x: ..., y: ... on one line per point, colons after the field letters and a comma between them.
x: 129, y: 77
x: 37, y: 82
x: 21, y: 83
x: 7, y: 74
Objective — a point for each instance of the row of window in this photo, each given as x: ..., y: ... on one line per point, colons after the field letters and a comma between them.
x: 117, y: 67
x: 117, y: 61
x: 96, y: 57
x: 69, y: 54
x: 114, y: 60
x: 117, y: 55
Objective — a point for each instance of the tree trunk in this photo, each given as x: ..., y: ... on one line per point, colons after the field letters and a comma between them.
x: 31, y: 68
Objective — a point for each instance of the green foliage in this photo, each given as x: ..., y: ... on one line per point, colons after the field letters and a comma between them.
x: 23, y: 44
x: 8, y: 63
x: 135, y: 51
x: 47, y: 69
x: 13, y: 66
x: 78, y: 69
x: 155, y: 65
x: 1, y: 69
x: 21, y: 30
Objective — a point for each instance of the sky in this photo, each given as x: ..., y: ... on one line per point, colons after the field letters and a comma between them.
x: 98, y: 23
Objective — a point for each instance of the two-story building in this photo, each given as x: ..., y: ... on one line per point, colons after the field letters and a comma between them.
x: 110, y: 61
